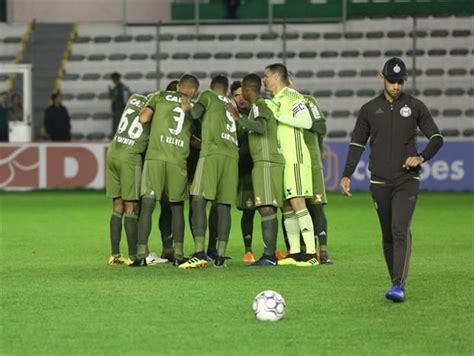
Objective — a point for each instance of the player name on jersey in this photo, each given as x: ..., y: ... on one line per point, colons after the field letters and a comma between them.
x: 172, y: 140
x: 124, y: 140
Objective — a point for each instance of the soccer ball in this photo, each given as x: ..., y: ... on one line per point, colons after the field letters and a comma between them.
x: 269, y: 306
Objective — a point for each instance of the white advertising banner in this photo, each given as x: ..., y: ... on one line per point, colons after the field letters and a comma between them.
x: 52, y: 165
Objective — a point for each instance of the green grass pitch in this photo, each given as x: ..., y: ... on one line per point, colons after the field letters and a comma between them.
x: 59, y: 296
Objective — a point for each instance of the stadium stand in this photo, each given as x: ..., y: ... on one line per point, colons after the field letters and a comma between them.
x: 339, y: 68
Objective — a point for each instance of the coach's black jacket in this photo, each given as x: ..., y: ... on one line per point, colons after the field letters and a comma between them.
x: 392, y: 128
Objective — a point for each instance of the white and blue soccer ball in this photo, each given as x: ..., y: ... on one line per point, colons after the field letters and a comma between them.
x: 269, y: 306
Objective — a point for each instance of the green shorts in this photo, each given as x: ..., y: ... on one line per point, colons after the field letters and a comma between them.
x: 216, y: 178
x: 123, y: 179
x: 319, y: 189
x: 164, y: 179
x: 297, y: 181
x: 245, y: 198
x: 267, y: 181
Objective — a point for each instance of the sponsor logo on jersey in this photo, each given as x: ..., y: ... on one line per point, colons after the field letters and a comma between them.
x: 405, y: 111
x: 173, y: 98
x: 298, y: 107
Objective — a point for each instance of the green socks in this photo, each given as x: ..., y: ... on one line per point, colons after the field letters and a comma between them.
x: 115, y: 233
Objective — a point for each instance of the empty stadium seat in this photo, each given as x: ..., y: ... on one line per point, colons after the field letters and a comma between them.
x: 287, y: 54
x: 123, y: 38
x: 437, y: 52
x: 222, y: 55
x: 133, y: 75
x: 138, y: 56
x: 165, y: 37
x: 202, y: 55
x: 82, y: 39
x: 248, y: 36
x: 143, y: 38
x: 329, y: 73
x: 336, y: 134
x: 265, y: 55
x: 396, y: 34
x: 374, y: 35
x: 393, y: 53
x: 290, y: 36
x: 369, y: 73
x: 80, y: 115
x: 216, y: 73
x: 244, y: 55
x: 175, y: 75
x: 238, y: 74
x: 307, y: 54
x: 102, y: 116
x: 91, y: 76
x: 162, y: 56
x: 459, y: 52
x: 366, y: 93
x: 340, y: 114
x: 350, y: 53
x: 270, y: 36
x: 434, y: 72
x: 347, y: 73
x: 117, y: 57
x: 353, y: 35
x: 461, y: 33
x: 439, y: 33
x: 332, y: 36
x: 180, y: 55
x: 199, y: 74
x: 76, y: 57
x: 322, y: 93
x: 453, y: 72
x: 153, y: 75
x: 468, y: 132
x: 77, y: 136
x: 227, y: 37
x: 102, y: 39
x: 450, y: 132
x: 452, y: 112
x: 85, y: 96
x: 96, y: 136
x: 304, y: 74
x: 96, y: 57
x: 186, y: 37
x: 311, y: 35
x: 206, y: 37
x: 344, y: 93
x: 328, y: 54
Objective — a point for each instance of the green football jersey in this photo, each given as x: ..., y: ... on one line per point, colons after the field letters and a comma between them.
x: 264, y: 147
x: 170, y: 129
x: 291, y: 138
x: 312, y: 139
x: 219, y: 131
x: 131, y: 138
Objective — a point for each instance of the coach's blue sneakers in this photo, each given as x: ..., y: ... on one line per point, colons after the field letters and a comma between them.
x: 396, y: 294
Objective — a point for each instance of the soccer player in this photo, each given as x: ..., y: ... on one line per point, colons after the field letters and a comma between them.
x: 124, y: 166
x: 245, y: 196
x: 216, y: 176
x: 314, y: 141
x: 164, y: 221
x: 164, y: 172
x: 290, y: 109
x: 268, y: 164
x: 391, y: 121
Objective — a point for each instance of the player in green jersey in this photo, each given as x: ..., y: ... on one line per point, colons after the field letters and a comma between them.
x: 268, y: 164
x: 314, y: 142
x: 124, y: 165
x: 216, y: 176
x: 164, y: 171
x: 291, y: 111
x: 245, y: 196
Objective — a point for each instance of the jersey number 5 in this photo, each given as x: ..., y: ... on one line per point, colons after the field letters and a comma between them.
x: 135, y: 129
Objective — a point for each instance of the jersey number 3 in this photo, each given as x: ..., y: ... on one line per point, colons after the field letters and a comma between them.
x: 179, y: 118
x: 135, y: 129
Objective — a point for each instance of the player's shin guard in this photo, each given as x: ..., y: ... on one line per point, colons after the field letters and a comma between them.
x: 292, y: 227
x: 115, y: 233
x: 307, y: 230
x: 321, y: 226
x: 144, y: 225
x: 177, y: 227
x: 131, y: 229
x: 199, y: 222
x: 246, y: 224
x: 270, y: 231
x: 164, y: 223
x: 223, y: 227
x: 212, y: 244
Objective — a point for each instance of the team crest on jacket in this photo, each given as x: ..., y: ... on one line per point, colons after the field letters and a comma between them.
x: 405, y: 111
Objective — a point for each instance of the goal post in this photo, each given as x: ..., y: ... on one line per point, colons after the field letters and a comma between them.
x: 21, y: 131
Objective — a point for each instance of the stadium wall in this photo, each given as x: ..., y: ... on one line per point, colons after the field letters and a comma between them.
x: 61, y: 11
x: 82, y: 165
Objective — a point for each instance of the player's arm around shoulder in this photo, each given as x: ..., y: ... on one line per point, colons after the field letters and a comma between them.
x: 293, y: 110
x: 146, y: 113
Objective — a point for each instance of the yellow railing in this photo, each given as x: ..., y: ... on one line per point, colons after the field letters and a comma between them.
x: 66, y: 54
x: 20, y: 54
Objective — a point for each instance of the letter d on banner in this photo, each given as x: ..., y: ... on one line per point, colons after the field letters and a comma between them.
x: 70, y: 167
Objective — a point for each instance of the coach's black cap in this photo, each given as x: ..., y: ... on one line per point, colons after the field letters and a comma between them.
x: 394, y: 69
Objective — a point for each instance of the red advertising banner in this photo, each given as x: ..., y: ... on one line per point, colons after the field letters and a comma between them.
x: 52, y: 165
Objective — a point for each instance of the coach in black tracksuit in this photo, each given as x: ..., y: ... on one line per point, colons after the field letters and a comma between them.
x: 391, y: 121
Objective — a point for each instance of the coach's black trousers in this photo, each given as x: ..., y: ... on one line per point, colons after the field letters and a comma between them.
x: 395, y: 204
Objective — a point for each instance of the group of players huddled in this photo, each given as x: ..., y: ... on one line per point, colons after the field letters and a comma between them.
x: 259, y: 153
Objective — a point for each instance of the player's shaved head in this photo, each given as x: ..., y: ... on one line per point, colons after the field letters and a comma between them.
x: 280, y: 69
x: 220, y: 83
x: 188, y: 85
x: 189, y: 80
